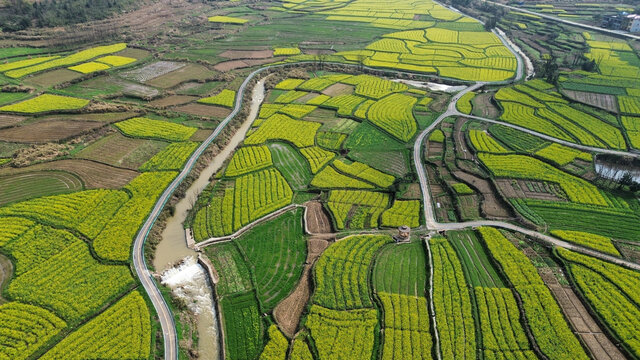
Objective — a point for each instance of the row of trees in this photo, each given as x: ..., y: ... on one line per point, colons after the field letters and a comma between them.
x: 21, y: 14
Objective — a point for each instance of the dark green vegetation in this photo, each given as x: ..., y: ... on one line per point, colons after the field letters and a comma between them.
x: 616, y: 223
x: 257, y: 271
x: 401, y: 269
x: 518, y: 140
x: 291, y: 164
x: 22, y: 14
x: 478, y: 269
x: 30, y: 185
x: 275, y: 253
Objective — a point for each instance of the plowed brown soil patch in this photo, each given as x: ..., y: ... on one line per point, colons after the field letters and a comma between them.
x: 104, y: 117
x: 316, y: 218
x: 203, y: 110
x: 287, y: 313
x: 240, y: 64
x: 46, y: 131
x: 247, y: 54
x: 413, y: 192
x: 200, y: 135
x: 485, y: 107
x: 94, y: 175
x: 121, y: 151
x: 603, y: 101
x: 9, y: 120
x: 491, y: 205
x: 6, y: 271
x: 598, y: 343
x: 176, y: 77
x: 172, y: 101
x: 55, y: 77
x: 462, y: 150
x: 338, y: 89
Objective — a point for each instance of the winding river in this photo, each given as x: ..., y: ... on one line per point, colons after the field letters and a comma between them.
x: 177, y: 263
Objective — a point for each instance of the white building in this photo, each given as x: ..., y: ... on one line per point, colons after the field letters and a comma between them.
x: 632, y: 23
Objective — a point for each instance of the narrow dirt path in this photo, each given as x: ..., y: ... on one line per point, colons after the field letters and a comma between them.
x: 288, y: 312
x: 6, y: 270
x: 592, y: 335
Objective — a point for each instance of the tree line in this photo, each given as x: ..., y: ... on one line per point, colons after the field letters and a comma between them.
x: 18, y: 15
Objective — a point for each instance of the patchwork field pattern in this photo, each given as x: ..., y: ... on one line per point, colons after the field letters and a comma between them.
x: 428, y: 39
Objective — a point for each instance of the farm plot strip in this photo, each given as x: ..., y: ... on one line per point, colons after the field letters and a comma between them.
x: 545, y: 319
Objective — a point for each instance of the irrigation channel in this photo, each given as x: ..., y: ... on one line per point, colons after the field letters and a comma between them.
x: 187, y: 279
x: 177, y: 262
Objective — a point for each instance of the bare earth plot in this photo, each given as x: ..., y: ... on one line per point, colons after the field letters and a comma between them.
x: 200, y: 135
x: 203, y: 110
x: 603, y: 101
x: 35, y: 184
x: 289, y: 310
x: 316, y: 218
x: 121, y: 151
x: 152, y: 71
x: 183, y: 74
x: 247, y: 54
x: 491, y: 205
x: 10, y: 120
x: 94, y: 175
x: 338, y: 89
x: 55, y: 77
x: 461, y: 144
x: 6, y: 271
x: 102, y: 117
x: 172, y: 101
x: 241, y: 64
x: 598, y: 343
x: 46, y: 131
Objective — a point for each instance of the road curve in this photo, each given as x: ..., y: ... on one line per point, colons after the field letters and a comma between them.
x: 429, y: 214
x: 139, y: 263
x: 551, y: 138
x: 568, y: 22
x: 417, y: 155
x: 142, y: 271
x: 162, y: 309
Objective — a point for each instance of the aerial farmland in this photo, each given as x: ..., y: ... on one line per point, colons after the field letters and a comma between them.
x: 319, y: 180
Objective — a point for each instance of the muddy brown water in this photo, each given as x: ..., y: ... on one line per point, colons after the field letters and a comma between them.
x: 173, y: 249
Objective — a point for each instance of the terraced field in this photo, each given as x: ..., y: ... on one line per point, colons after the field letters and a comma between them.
x: 100, y: 143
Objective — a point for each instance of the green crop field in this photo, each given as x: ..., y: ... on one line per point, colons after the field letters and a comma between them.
x: 279, y: 242
x: 475, y: 262
x: 401, y: 269
x: 452, y: 304
x: 547, y: 323
x: 256, y: 162
x: 31, y: 185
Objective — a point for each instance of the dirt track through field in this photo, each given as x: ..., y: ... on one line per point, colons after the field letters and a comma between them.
x: 316, y: 219
x: 491, y: 205
x: 288, y: 312
x: 598, y: 343
x: 95, y: 175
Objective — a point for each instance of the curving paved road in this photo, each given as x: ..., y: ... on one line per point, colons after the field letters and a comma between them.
x: 429, y: 213
x: 162, y: 309
x: 550, y: 138
x: 568, y: 22
x: 139, y: 263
